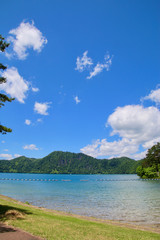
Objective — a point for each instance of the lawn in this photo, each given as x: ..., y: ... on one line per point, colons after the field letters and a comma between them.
x: 54, y: 225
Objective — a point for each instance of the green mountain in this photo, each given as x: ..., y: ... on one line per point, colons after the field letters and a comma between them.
x: 69, y: 163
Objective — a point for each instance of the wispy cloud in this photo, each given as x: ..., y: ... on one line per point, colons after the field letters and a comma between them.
x: 97, y: 69
x: 86, y: 63
x: 83, y: 62
x: 6, y: 156
x: 16, y: 86
x: 42, y: 108
x: 101, y: 66
x: 35, y: 89
x: 77, y: 100
x: 25, y: 36
x: 30, y: 147
x: 28, y: 122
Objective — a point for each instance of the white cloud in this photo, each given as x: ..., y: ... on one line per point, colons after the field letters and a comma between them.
x: 136, y: 122
x: 136, y: 127
x: 2, y: 141
x: 92, y: 149
x: 28, y: 122
x: 83, y: 62
x: 140, y: 155
x: 35, y: 89
x: 41, y: 108
x: 101, y: 66
x: 5, y: 150
x: 153, y: 96
x: 15, y: 86
x: 114, y: 149
x: 120, y: 148
x: 30, y: 147
x: 77, y: 100
x: 26, y: 36
x: 150, y: 143
x: 6, y: 156
x: 97, y: 69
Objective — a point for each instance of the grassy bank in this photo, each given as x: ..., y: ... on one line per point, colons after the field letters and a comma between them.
x: 57, y: 225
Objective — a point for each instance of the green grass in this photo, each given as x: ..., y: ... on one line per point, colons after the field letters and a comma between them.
x: 57, y: 225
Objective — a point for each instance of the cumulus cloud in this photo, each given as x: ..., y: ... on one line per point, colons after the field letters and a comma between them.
x: 26, y: 36
x: 2, y: 141
x: 140, y: 155
x: 30, y: 147
x: 77, y: 100
x: 153, y: 96
x: 15, y: 86
x: 124, y: 147
x: 92, y: 149
x: 136, y: 126
x: 150, y: 143
x: 28, y: 122
x: 101, y: 66
x: 6, y: 156
x: 136, y: 122
x: 83, y: 62
x: 41, y: 108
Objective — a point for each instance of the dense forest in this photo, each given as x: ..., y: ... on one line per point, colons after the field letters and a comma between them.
x: 69, y: 163
x: 150, y: 166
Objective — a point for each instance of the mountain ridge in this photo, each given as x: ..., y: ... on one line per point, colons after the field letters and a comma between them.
x: 59, y: 162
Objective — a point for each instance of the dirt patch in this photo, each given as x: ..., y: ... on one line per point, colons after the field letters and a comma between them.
x: 10, y: 233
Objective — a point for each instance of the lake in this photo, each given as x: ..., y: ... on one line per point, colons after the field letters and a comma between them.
x: 121, y: 197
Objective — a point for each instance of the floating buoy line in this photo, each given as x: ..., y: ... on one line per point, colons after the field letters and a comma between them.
x: 69, y: 180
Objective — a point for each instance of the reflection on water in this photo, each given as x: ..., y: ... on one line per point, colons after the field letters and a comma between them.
x: 115, y: 197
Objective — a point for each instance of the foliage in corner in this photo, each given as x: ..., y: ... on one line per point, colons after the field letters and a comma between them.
x: 150, y: 167
x: 3, y: 97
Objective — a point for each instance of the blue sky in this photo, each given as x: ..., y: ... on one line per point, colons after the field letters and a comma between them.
x: 85, y: 75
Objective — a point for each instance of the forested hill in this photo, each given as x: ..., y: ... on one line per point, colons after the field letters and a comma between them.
x: 70, y: 163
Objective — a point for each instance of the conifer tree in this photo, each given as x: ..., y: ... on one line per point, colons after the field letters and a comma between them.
x: 3, y: 97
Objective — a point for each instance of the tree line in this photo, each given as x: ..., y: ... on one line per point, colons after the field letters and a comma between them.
x: 150, y: 166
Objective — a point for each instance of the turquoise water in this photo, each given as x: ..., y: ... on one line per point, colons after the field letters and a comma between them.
x: 116, y: 197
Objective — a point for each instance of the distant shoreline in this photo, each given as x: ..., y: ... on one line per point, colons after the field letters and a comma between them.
x: 72, y: 173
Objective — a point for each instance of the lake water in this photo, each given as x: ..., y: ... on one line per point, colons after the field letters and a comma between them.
x: 115, y: 197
